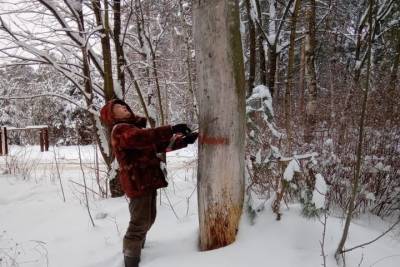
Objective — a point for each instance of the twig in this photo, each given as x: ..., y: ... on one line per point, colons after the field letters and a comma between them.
x: 170, y: 204
x: 84, y: 187
x: 384, y: 258
x: 58, y: 172
x: 322, y: 242
x: 84, y: 182
x: 373, y: 240
x: 361, y: 260
x: 188, y: 200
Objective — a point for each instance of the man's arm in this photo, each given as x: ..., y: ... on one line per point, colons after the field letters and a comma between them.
x: 175, y: 143
x: 129, y: 136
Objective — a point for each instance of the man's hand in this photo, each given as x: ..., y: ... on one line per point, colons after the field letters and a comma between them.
x: 190, y: 138
x: 181, y: 128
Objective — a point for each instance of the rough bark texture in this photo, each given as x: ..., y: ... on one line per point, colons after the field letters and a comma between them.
x: 393, y: 81
x: 119, y: 50
x: 252, y: 49
x: 311, y: 107
x: 105, y: 46
x: 272, y: 61
x: 221, y: 96
x: 260, y: 45
x: 289, y: 80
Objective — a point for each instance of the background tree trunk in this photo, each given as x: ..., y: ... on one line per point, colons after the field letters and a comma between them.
x: 357, y: 172
x: 289, y: 80
x: 221, y: 96
x: 260, y: 45
x: 252, y: 49
x: 311, y: 107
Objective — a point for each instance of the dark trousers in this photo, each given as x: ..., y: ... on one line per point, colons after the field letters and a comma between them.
x: 143, y: 215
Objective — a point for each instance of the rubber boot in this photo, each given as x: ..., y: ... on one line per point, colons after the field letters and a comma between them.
x: 131, y: 261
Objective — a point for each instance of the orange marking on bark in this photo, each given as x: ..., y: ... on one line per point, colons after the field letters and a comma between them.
x: 211, y: 140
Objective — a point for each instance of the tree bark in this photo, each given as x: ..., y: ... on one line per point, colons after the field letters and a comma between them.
x: 119, y: 51
x: 221, y: 96
x: 302, y: 79
x: 252, y: 49
x: 393, y: 81
x: 289, y: 80
x: 261, y: 51
x: 105, y: 46
x: 311, y: 107
x: 272, y: 59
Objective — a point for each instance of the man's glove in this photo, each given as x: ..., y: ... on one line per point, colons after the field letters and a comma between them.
x: 190, y: 138
x: 181, y: 128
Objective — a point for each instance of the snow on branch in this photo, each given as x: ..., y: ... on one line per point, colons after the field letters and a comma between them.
x: 71, y: 33
x: 72, y: 101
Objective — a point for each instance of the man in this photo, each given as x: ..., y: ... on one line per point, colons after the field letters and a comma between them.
x: 140, y: 168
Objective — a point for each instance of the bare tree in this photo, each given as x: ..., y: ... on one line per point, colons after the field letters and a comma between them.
x: 221, y: 95
x: 357, y: 172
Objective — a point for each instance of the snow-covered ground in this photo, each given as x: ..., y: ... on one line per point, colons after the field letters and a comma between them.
x: 37, y: 228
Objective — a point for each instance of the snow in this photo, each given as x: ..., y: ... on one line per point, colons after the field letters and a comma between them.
x: 38, y: 229
x: 253, y: 11
x: 258, y: 156
x: 118, y: 89
x: 102, y: 136
x: 320, y: 191
x: 77, y: 5
x: 260, y: 92
x: 291, y: 169
x: 272, y: 27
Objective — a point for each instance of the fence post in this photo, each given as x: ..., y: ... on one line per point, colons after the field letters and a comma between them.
x: 41, y: 140
x: 46, y: 139
x: 3, y: 141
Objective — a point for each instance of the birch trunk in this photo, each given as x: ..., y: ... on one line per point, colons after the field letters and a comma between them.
x: 221, y: 96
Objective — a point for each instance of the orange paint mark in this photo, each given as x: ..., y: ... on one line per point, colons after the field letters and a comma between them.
x: 209, y: 140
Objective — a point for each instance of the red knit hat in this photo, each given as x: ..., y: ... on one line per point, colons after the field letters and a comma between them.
x: 108, y: 119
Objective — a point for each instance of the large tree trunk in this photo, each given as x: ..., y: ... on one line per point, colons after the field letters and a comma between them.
x: 289, y: 80
x: 272, y: 60
x: 311, y: 107
x: 252, y: 49
x: 393, y: 81
x: 302, y: 78
x: 119, y: 50
x: 260, y: 46
x: 221, y: 96
x: 102, y: 19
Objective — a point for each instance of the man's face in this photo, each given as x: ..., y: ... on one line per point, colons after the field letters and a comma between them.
x: 121, y: 111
